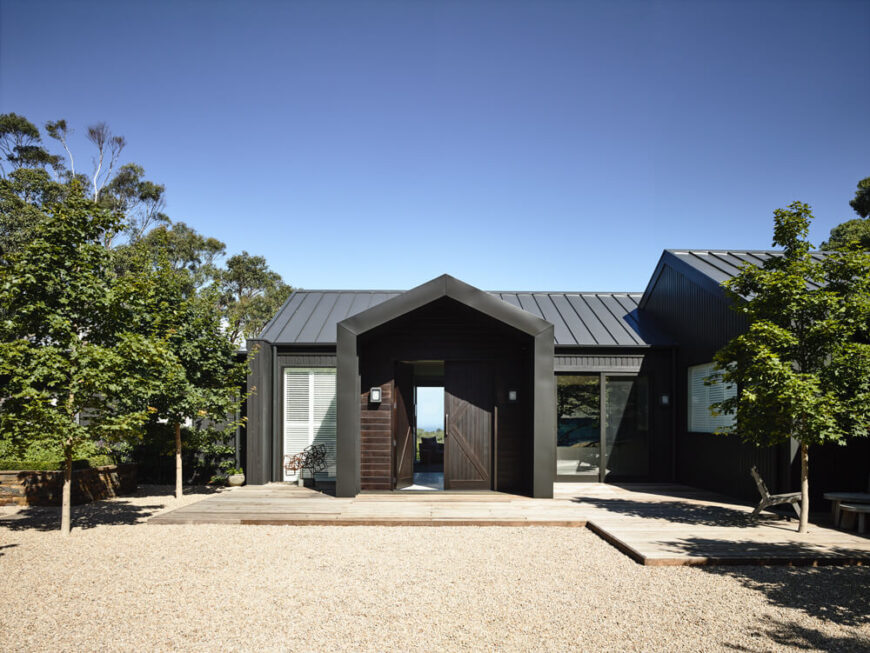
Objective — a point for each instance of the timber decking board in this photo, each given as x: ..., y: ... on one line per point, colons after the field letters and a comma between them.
x: 656, y: 525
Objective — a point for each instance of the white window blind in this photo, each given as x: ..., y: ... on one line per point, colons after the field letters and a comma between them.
x: 701, y: 397
x: 309, y: 413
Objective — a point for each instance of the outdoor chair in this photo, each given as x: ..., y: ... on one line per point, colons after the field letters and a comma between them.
x: 431, y: 451
x: 768, y: 499
x: 312, y: 458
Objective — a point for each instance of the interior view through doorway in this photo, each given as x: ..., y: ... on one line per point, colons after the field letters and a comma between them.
x: 429, y: 438
x: 443, y: 425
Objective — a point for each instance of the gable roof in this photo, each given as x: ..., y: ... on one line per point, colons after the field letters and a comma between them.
x: 450, y: 287
x: 310, y: 317
x: 708, y: 268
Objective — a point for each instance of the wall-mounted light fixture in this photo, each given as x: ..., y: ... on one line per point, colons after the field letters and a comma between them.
x: 665, y: 400
x: 375, y: 395
x: 512, y: 395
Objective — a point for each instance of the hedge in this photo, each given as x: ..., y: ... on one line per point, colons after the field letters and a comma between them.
x: 53, y: 466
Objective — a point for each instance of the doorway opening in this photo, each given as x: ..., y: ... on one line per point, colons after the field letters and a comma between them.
x: 429, y: 438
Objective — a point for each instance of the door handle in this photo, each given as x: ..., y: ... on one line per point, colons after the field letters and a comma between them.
x: 446, y: 418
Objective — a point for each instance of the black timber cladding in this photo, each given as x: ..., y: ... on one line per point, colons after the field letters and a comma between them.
x: 309, y: 317
x: 538, y: 330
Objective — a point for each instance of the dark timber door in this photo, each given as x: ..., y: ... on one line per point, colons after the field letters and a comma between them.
x: 404, y: 436
x: 468, y: 405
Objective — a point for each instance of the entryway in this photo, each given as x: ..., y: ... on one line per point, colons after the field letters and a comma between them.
x: 443, y: 421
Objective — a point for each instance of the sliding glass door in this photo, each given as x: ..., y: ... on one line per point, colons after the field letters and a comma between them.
x: 595, y: 444
x: 626, y: 427
x: 578, y: 441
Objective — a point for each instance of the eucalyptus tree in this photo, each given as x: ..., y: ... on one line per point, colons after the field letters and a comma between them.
x: 803, y: 367
x: 251, y: 293
x: 854, y: 233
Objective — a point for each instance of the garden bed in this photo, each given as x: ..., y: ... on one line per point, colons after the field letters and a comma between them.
x: 29, y: 487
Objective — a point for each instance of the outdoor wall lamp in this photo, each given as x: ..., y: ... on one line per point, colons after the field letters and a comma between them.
x: 665, y: 400
x: 512, y: 395
x: 375, y: 395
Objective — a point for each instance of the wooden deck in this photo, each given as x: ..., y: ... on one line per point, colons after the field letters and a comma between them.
x: 653, y: 524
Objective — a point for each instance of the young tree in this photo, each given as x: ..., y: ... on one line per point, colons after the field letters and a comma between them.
x: 202, y: 380
x: 803, y: 367
x: 62, y: 350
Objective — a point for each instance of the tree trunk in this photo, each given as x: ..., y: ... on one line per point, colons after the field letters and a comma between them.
x: 805, y: 488
x: 178, y: 491
x: 66, y: 495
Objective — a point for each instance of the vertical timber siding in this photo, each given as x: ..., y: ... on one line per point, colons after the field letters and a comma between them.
x: 702, y: 323
x: 447, y: 330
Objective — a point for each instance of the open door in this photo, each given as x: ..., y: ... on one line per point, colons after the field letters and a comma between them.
x: 468, y: 404
x: 404, y: 435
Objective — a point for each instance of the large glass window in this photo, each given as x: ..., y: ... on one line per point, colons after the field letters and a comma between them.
x: 309, y: 413
x: 626, y: 436
x: 702, y: 396
x: 578, y: 444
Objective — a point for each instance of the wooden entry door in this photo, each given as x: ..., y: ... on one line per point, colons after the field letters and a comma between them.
x: 468, y: 407
x: 405, y: 433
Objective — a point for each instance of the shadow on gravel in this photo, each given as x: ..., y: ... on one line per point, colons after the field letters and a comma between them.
x: 6, y: 546
x: 103, y: 513
x: 678, y: 512
x: 797, y: 637
x: 111, y: 512
x: 831, y: 593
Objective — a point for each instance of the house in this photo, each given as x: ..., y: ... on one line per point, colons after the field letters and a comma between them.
x: 538, y: 387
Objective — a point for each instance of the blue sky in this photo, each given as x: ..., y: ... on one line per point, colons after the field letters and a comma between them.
x: 515, y: 145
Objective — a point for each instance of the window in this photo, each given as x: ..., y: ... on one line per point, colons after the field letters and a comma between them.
x: 309, y: 413
x: 578, y: 438
x: 701, y: 397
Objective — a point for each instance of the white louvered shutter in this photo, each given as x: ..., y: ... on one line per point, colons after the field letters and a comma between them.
x: 701, y: 397
x: 297, y: 412
x: 324, y: 412
x: 309, y: 413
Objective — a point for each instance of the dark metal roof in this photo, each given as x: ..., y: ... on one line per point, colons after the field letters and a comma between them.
x: 708, y: 268
x: 309, y: 317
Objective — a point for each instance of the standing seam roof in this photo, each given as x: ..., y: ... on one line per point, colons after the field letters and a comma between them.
x: 309, y: 317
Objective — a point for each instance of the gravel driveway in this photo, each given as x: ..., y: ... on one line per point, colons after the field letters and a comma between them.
x: 118, y: 584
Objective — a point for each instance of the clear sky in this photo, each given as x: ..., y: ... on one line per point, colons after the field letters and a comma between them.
x: 515, y: 145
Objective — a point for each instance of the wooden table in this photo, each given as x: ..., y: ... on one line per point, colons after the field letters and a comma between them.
x: 836, y: 498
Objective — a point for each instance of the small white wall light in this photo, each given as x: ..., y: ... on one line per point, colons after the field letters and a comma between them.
x: 512, y: 395
x: 375, y: 395
x: 665, y: 400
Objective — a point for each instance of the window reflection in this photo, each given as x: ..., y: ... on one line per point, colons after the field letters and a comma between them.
x: 578, y: 443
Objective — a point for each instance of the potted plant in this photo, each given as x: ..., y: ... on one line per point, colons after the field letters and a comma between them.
x: 235, y: 476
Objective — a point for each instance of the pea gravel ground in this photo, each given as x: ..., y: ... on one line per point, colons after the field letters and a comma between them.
x: 118, y: 584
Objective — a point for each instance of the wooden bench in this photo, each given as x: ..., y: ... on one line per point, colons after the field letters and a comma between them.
x: 768, y: 499
x: 837, y: 499
x: 861, y: 510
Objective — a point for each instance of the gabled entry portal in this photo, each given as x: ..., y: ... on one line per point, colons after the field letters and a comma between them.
x: 463, y: 459
x: 496, y: 368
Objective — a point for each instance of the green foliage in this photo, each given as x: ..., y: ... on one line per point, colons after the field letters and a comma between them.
x: 108, y: 309
x: 55, y: 464
x: 251, y: 294
x: 803, y: 367
x: 438, y: 434
x: 200, y: 383
x: 861, y: 202
x: 855, y: 233
x: 63, y: 350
